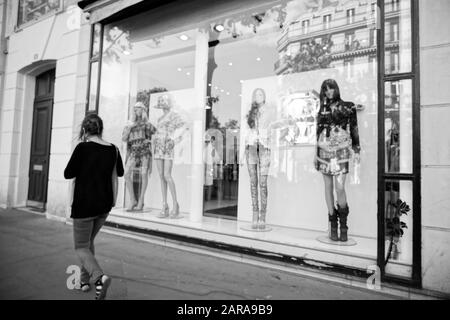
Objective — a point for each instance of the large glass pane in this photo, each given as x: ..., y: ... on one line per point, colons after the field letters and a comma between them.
x: 398, y: 37
x: 149, y: 104
x: 398, y: 126
x: 248, y: 92
x: 93, y: 87
x: 34, y: 9
x: 96, y: 41
x: 398, y: 228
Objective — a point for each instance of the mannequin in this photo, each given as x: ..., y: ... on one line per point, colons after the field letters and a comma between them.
x: 257, y: 155
x: 137, y: 136
x: 165, y: 139
x: 337, y: 136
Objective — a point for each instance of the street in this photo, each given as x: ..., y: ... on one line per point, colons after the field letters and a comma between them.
x: 36, y: 252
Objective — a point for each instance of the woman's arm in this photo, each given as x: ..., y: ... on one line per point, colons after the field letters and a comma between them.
x: 73, y: 165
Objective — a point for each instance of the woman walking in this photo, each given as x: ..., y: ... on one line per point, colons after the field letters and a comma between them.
x: 95, y: 164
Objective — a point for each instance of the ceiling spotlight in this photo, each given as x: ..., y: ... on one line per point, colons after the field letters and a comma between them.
x: 221, y: 90
x: 179, y: 69
x: 258, y: 59
x: 241, y: 81
x: 184, y: 37
x: 230, y: 63
x: 219, y: 27
x: 228, y: 93
x: 188, y: 73
x: 209, y: 84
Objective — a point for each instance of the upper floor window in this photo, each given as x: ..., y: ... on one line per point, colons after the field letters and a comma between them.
x: 30, y: 10
x: 350, y: 16
x: 305, y: 26
x: 326, y: 21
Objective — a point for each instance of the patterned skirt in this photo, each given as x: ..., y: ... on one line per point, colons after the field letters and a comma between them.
x: 334, y: 152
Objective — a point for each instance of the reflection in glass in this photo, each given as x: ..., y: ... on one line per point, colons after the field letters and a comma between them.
x: 34, y: 9
x: 93, y: 87
x: 398, y: 227
x: 398, y: 44
x: 398, y: 126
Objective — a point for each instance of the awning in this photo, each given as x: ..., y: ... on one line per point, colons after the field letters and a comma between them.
x: 102, y: 9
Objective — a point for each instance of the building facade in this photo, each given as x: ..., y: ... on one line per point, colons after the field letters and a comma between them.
x: 195, y: 70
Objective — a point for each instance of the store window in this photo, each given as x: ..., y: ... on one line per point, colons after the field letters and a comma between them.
x: 281, y: 108
x: 31, y: 10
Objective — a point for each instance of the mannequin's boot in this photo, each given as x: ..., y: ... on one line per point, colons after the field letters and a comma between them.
x: 333, y: 219
x: 262, y: 221
x: 255, y: 220
x: 343, y: 214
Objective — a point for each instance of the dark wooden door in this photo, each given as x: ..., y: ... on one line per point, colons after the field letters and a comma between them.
x: 40, y: 141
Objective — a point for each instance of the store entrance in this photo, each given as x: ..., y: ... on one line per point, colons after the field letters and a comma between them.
x: 40, y: 141
x: 221, y: 143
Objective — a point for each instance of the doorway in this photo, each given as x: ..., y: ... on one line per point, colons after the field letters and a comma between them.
x: 40, y: 140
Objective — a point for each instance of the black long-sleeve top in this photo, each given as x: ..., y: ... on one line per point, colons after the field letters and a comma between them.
x: 91, y: 164
x: 343, y: 114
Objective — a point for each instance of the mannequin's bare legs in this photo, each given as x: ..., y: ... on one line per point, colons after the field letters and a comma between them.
x: 329, y: 193
x: 342, y: 209
x: 332, y: 212
x: 339, y: 182
x: 144, y: 183
x: 129, y: 184
x: 168, y: 164
x: 160, y: 166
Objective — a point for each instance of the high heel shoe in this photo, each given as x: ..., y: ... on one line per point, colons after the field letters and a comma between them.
x: 139, y: 207
x: 175, y: 212
x: 133, y: 206
x: 262, y: 221
x: 164, y: 212
x: 255, y: 220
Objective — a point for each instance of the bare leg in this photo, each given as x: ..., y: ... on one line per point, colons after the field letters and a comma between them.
x: 340, y: 190
x: 144, y: 181
x: 129, y: 184
x: 329, y: 194
x: 160, y: 165
x: 168, y: 164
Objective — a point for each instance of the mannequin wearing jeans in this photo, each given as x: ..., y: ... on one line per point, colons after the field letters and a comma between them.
x: 257, y: 155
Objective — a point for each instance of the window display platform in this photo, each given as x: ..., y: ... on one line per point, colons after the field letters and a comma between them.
x: 279, y: 241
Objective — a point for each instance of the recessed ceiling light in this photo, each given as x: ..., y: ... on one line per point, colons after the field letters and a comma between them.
x: 228, y: 93
x: 258, y: 59
x: 219, y: 27
x: 230, y: 63
x: 241, y: 81
x: 221, y: 90
x: 184, y: 37
x: 188, y: 73
x: 126, y: 52
x: 216, y: 87
x: 179, y: 69
x: 209, y: 84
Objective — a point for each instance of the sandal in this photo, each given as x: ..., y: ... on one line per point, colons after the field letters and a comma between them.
x: 175, y: 212
x: 101, y: 287
x: 164, y: 212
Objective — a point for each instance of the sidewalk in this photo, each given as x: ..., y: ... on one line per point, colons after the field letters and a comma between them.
x: 35, y: 253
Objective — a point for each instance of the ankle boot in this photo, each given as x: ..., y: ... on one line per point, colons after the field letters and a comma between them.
x: 343, y: 214
x: 333, y: 219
